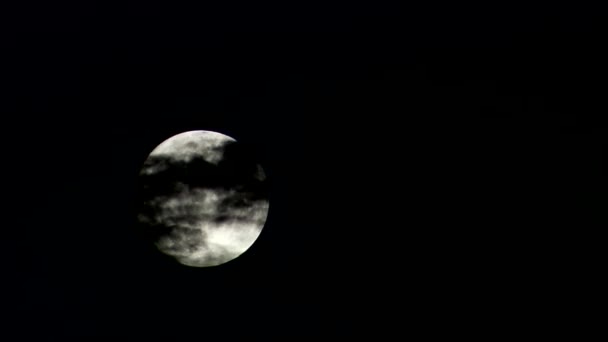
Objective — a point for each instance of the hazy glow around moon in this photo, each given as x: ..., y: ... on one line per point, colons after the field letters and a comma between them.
x: 203, y: 199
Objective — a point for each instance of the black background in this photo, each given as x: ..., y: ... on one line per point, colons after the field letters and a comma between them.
x: 432, y: 167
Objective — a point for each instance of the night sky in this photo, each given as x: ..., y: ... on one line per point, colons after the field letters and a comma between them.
x: 430, y: 168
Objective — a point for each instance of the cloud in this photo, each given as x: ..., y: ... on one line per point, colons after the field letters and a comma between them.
x: 206, y: 226
x: 163, y: 173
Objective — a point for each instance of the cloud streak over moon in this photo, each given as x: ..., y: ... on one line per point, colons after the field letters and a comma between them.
x: 204, y: 200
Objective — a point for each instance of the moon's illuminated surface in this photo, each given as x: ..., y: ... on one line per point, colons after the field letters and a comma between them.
x: 204, y: 198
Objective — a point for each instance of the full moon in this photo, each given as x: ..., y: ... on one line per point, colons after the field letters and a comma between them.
x: 204, y: 198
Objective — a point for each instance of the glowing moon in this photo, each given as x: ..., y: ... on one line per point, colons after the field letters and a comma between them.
x: 204, y: 198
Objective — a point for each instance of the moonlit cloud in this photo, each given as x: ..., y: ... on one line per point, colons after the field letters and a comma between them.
x: 198, y: 236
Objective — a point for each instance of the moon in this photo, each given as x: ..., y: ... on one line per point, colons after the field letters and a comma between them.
x: 204, y: 198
